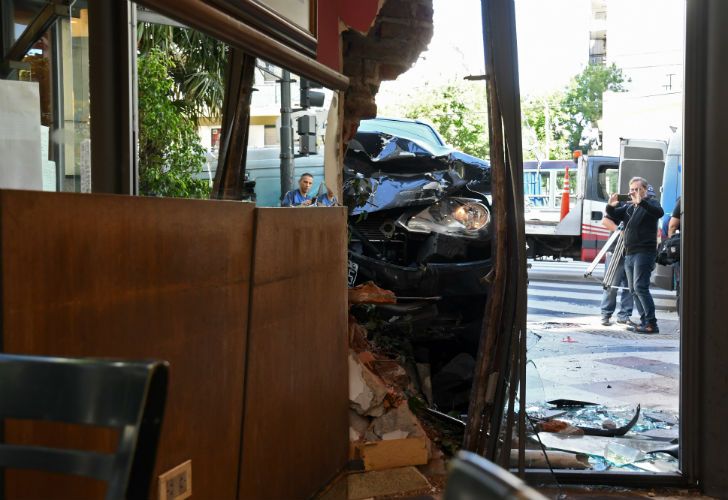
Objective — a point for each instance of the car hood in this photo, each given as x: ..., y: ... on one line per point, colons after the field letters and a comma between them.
x: 383, y: 171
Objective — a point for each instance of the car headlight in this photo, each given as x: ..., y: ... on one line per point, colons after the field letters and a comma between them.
x: 461, y: 216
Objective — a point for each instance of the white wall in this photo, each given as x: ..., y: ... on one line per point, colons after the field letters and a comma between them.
x: 638, y: 117
x: 646, y: 39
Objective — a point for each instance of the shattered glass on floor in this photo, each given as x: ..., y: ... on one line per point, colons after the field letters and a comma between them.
x: 649, y: 445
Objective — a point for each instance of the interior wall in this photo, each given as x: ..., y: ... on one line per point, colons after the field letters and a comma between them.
x: 177, y: 280
x: 138, y: 278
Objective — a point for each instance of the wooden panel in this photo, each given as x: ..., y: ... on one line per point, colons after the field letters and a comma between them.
x: 295, y: 433
x: 113, y: 276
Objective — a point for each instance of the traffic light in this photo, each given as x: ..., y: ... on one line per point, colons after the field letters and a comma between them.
x: 310, y: 97
x: 306, y: 128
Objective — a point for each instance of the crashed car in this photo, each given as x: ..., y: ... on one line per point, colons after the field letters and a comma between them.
x: 420, y: 225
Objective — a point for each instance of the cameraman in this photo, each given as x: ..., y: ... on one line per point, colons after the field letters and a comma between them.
x: 640, y: 217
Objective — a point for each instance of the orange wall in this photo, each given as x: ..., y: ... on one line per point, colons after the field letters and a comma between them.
x: 358, y: 14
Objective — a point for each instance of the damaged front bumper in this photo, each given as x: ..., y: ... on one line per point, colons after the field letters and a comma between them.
x: 426, y: 280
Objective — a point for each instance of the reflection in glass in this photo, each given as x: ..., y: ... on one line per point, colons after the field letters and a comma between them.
x: 58, y: 62
x: 22, y: 13
x: 263, y: 166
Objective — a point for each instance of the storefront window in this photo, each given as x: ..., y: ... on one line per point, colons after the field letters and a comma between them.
x: 181, y: 84
x: 49, y: 99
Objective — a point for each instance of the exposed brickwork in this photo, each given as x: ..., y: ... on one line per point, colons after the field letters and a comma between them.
x: 401, y: 31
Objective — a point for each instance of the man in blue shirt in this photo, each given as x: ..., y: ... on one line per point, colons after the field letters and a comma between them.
x: 327, y: 200
x: 299, y: 197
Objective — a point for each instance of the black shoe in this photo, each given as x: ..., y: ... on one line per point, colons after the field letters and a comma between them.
x: 649, y: 328
x: 605, y: 321
x: 628, y: 322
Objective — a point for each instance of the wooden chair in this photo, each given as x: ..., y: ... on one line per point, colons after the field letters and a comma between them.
x: 473, y: 477
x: 126, y: 395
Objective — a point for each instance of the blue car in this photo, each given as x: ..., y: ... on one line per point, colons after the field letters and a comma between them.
x: 420, y: 225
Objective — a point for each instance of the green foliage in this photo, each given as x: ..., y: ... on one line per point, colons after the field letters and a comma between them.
x: 568, y: 113
x: 544, y: 134
x: 582, y: 102
x: 458, y: 112
x: 170, y: 153
x: 199, y: 65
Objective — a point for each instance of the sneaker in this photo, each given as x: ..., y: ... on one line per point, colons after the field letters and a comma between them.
x: 605, y: 321
x: 649, y: 328
x: 628, y: 322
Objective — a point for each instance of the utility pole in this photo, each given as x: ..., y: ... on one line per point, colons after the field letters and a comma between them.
x: 547, y: 126
x: 287, y: 164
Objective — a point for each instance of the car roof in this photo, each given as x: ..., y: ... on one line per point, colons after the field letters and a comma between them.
x: 407, y: 129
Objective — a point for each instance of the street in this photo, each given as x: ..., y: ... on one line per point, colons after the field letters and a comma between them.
x: 575, y: 357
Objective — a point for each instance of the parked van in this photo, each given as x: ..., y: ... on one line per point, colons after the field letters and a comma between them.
x: 263, y: 166
x: 263, y: 172
x: 664, y: 276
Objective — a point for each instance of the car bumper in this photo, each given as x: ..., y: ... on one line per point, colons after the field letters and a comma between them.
x: 429, y: 280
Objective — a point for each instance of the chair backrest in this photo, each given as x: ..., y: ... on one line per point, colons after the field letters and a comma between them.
x: 126, y: 395
x: 473, y: 477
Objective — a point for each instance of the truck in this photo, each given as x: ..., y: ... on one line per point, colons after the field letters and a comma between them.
x: 580, y: 234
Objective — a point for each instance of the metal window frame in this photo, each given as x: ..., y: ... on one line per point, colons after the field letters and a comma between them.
x: 274, y: 24
x: 113, y: 89
x: 690, y: 346
x: 232, y: 29
x: 42, y: 22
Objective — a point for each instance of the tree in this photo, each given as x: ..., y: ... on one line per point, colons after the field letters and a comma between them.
x: 583, y: 99
x: 199, y: 65
x: 458, y: 113
x: 170, y: 153
x: 543, y: 122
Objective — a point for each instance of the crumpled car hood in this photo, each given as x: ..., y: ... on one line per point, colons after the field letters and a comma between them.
x: 403, y: 172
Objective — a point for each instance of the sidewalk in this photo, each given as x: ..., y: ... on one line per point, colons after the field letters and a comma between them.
x: 578, y: 358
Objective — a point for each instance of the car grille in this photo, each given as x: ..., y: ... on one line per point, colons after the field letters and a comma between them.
x: 371, y: 226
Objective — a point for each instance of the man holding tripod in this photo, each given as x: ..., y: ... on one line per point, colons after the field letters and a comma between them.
x: 640, y: 218
x: 609, y: 297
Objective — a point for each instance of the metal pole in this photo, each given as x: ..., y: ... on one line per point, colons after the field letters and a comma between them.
x: 287, y: 165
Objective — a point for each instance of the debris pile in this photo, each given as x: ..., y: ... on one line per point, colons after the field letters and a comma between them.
x: 384, y: 433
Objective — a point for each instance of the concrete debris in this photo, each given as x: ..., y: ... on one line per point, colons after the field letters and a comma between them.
x: 358, y: 426
x: 366, y: 391
x: 383, y: 432
x: 397, y: 423
x: 357, y: 336
x: 369, y: 293
x: 391, y: 372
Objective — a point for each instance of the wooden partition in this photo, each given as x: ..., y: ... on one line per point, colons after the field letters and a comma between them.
x: 123, y: 277
x: 296, y: 396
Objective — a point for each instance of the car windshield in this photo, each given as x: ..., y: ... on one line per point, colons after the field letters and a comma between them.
x: 420, y: 132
